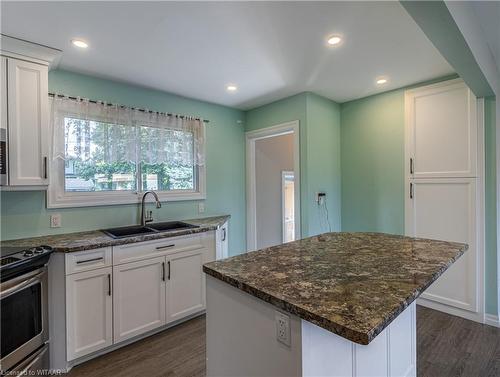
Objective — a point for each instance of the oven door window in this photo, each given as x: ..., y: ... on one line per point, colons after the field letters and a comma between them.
x: 21, y: 318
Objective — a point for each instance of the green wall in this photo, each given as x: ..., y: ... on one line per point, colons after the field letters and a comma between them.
x: 372, y: 160
x: 319, y: 122
x: 372, y: 139
x: 24, y: 213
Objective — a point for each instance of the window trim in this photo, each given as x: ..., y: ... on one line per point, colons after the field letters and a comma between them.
x: 57, y: 197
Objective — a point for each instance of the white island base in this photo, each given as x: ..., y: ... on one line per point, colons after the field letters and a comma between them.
x: 242, y: 341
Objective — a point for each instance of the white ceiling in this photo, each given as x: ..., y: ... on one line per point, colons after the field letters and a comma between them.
x: 269, y: 49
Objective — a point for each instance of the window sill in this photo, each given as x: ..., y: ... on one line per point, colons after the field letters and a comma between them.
x: 72, y: 200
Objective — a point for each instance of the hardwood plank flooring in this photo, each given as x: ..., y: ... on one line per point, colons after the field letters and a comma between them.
x: 446, y: 346
x: 452, y: 346
x: 178, y: 351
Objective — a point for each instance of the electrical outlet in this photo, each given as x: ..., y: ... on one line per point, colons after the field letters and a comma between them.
x: 282, y: 327
x: 201, y: 207
x: 320, y: 198
x: 55, y: 220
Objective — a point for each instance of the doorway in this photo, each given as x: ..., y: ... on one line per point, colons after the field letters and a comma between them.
x: 273, y: 185
x: 288, y: 206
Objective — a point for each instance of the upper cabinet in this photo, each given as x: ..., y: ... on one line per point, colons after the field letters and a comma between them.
x: 442, y: 131
x: 25, y: 114
x: 27, y: 125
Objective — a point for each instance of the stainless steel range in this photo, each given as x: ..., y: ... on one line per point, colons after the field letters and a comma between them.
x: 24, y: 339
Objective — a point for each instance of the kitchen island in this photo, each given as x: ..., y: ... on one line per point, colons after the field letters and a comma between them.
x: 341, y: 304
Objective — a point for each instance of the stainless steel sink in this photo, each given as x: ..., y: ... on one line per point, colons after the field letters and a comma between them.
x: 137, y: 230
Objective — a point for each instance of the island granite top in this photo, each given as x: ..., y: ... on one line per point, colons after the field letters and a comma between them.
x: 352, y: 284
x: 71, y: 242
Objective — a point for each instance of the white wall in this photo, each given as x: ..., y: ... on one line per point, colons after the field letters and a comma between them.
x: 272, y: 156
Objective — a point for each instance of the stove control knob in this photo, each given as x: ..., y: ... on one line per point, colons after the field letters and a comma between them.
x: 28, y: 253
x: 39, y: 250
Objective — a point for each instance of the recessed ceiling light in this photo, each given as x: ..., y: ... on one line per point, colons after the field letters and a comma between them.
x: 334, y: 40
x: 381, y: 81
x: 79, y: 43
x: 231, y: 88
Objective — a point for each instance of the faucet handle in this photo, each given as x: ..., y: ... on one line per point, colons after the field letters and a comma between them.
x: 149, y: 217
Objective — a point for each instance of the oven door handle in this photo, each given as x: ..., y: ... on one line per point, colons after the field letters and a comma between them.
x: 25, y: 283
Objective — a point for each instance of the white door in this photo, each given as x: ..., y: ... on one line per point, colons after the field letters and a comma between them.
x: 443, y: 184
x: 445, y: 209
x: 442, y: 130
x: 186, y: 284
x: 139, y: 297
x: 27, y: 122
x: 89, y: 312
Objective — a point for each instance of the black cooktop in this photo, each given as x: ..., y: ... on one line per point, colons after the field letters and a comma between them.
x: 17, y: 260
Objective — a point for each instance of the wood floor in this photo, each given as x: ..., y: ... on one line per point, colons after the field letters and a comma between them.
x: 179, y: 351
x: 447, y: 346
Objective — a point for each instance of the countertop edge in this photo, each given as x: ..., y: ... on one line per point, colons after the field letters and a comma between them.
x: 340, y: 330
x: 108, y: 241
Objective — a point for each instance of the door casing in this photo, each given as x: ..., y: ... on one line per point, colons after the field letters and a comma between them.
x: 251, y: 137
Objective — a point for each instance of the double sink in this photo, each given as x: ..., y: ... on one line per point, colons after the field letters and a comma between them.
x: 137, y: 230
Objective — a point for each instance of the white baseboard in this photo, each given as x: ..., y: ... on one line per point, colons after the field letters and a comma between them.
x: 492, y: 320
x: 470, y: 315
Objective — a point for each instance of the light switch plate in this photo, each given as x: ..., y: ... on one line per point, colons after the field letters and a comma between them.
x: 201, y: 207
x: 55, y: 220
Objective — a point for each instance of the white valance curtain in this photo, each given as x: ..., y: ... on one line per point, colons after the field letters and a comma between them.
x: 129, y: 134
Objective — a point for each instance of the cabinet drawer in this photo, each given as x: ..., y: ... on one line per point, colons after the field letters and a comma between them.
x: 141, y: 250
x: 88, y: 260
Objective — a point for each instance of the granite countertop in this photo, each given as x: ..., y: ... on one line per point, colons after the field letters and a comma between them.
x: 352, y: 284
x: 70, y: 242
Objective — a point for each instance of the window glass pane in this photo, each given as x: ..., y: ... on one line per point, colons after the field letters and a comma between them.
x: 167, y: 159
x: 99, y: 156
x: 164, y: 177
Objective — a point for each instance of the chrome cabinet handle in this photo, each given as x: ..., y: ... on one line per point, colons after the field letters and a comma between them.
x: 411, y: 190
x: 165, y: 246
x: 411, y: 165
x: 168, y: 270
x: 89, y: 260
x: 163, y: 271
x: 224, y: 234
x: 109, y: 284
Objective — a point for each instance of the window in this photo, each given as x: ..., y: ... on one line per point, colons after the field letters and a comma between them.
x: 99, y: 160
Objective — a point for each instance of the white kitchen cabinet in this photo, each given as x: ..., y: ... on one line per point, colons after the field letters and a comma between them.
x: 126, y: 291
x: 222, y: 242
x: 444, y: 157
x: 441, y: 128
x: 185, y: 284
x: 89, y: 307
x: 139, y: 290
x: 25, y: 112
x: 28, y: 125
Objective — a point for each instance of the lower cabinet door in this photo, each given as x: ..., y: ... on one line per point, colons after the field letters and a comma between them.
x: 139, y: 297
x: 88, y: 312
x: 186, y: 284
